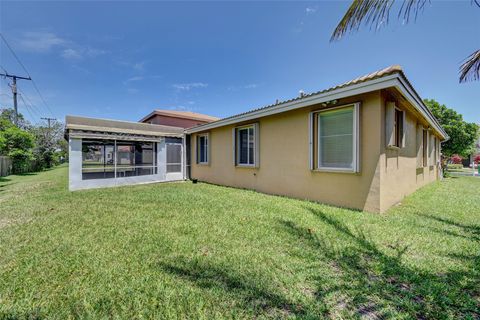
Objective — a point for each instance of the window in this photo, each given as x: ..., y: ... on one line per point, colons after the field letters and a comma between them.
x: 398, y: 128
x: 337, y: 139
x: 202, y: 148
x: 431, y: 149
x: 394, y: 126
x: 246, y: 146
x: 110, y: 159
x: 425, y: 147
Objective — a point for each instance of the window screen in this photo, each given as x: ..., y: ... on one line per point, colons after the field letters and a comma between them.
x: 336, y: 139
x: 246, y: 146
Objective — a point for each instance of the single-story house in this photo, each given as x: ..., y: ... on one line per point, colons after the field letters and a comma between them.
x: 364, y: 144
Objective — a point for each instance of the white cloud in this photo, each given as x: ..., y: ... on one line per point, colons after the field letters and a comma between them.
x: 139, y: 66
x: 39, y: 41
x: 44, y: 41
x: 71, y: 54
x: 132, y: 90
x: 247, y: 86
x: 188, y: 86
x: 310, y: 10
x: 136, y: 78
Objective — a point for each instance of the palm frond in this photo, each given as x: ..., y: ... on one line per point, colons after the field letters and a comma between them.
x: 375, y: 13
x: 470, y: 69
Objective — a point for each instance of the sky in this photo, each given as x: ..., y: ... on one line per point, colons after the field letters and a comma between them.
x: 121, y: 60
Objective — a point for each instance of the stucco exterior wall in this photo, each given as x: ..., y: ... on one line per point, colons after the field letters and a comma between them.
x: 386, y: 175
x: 402, y: 171
x: 284, y: 159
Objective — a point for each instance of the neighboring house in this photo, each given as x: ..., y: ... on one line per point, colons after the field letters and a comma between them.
x: 365, y: 144
x: 183, y: 119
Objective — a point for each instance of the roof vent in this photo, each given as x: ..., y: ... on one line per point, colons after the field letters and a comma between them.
x: 301, y: 93
x: 276, y: 101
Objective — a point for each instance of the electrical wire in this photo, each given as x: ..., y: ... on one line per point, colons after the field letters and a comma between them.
x: 26, y: 71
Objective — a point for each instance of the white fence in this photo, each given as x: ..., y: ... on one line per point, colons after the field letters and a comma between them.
x: 5, y: 166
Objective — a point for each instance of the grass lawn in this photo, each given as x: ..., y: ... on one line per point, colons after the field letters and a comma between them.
x: 183, y: 250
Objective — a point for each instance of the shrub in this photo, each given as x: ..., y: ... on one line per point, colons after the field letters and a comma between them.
x: 456, y: 159
x: 17, y: 144
x: 476, y: 159
x: 454, y: 166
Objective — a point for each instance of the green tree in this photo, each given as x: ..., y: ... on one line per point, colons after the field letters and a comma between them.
x: 48, y: 144
x: 17, y: 144
x: 376, y: 14
x: 7, y: 117
x: 462, y: 134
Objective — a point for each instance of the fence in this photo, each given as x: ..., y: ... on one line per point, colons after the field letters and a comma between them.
x: 5, y: 166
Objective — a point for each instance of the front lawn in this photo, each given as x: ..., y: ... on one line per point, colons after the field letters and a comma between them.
x: 183, y: 250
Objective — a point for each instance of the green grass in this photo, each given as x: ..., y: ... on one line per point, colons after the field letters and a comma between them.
x: 183, y: 250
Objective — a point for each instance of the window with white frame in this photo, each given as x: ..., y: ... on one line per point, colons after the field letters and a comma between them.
x: 337, y: 139
x: 202, y: 148
x: 246, y: 145
x: 394, y: 126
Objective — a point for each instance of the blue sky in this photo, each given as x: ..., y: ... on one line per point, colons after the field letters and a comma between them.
x: 122, y: 60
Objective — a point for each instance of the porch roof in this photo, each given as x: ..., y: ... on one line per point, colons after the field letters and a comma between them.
x: 83, y: 127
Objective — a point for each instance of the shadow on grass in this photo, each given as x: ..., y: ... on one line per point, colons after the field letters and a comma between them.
x: 378, y: 285
x: 469, y: 232
x: 5, y: 179
x: 247, y: 291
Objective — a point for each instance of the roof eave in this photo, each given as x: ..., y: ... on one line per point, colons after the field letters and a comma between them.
x: 396, y: 79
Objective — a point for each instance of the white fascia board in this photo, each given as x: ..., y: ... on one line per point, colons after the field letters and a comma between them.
x: 368, y: 86
x: 405, y: 89
x: 393, y: 80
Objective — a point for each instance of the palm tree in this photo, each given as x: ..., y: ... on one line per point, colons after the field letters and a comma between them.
x: 376, y: 14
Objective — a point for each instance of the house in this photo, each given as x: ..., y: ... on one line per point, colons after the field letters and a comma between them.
x: 365, y: 144
x: 174, y: 118
x: 104, y: 153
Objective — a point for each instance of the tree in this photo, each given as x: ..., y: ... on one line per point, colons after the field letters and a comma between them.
x: 377, y: 12
x: 48, y: 144
x: 17, y: 144
x: 7, y: 117
x: 462, y: 134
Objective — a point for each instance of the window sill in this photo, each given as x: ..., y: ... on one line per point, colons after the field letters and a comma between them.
x: 326, y: 170
x: 203, y: 164
x: 247, y: 166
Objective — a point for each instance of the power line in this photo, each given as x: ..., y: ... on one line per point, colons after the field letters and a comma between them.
x: 27, y: 108
x: 26, y: 71
x: 32, y: 105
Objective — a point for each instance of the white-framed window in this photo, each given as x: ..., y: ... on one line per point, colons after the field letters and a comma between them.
x: 203, y: 148
x: 337, y: 139
x: 246, y: 145
x: 395, y: 126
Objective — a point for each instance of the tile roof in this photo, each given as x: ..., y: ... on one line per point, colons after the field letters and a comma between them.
x: 371, y: 76
x: 181, y: 114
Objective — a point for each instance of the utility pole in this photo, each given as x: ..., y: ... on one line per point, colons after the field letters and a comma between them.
x: 48, y: 120
x: 14, y: 91
x: 48, y: 132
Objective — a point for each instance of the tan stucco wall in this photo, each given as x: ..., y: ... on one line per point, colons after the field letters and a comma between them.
x: 399, y: 173
x: 284, y: 160
x: 385, y: 176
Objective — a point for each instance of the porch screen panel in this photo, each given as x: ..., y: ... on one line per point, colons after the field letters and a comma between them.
x: 97, y: 159
x: 174, y: 158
